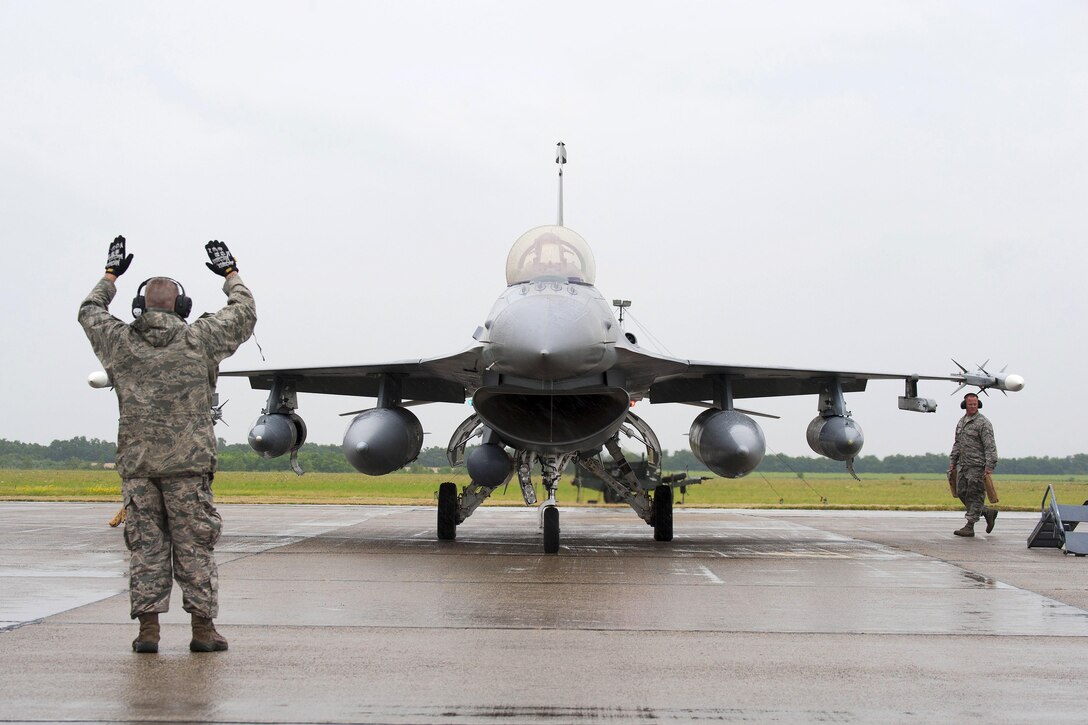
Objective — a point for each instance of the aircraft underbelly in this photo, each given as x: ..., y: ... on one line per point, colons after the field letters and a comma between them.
x: 553, y: 422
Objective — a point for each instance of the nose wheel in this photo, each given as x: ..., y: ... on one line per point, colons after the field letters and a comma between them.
x: 551, y: 530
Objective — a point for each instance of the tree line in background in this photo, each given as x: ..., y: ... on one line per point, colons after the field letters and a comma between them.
x: 81, y: 452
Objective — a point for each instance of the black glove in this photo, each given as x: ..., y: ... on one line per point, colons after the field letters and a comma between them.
x: 222, y: 260
x: 116, y: 261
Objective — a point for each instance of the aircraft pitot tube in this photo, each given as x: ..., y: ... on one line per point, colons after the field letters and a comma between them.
x: 728, y: 442
x: 274, y: 435
x: 381, y: 440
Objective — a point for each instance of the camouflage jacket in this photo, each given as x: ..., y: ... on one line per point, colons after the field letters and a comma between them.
x: 164, y: 372
x: 974, y: 444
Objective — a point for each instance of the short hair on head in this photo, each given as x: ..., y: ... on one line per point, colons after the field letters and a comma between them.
x: 971, y: 395
x: 161, y: 293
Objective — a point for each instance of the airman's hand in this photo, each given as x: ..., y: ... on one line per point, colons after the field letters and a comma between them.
x: 116, y: 261
x: 223, y: 262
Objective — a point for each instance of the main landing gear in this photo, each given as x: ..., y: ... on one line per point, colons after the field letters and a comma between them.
x: 656, y: 511
x: 454, y: 507
x: 447, y: 511
x: 663, y: 513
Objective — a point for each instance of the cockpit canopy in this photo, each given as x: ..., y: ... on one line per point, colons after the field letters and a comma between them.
x: 551, y: 251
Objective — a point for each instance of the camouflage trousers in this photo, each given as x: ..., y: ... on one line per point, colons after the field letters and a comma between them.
x: 171, y: 528
x: 971, y: 489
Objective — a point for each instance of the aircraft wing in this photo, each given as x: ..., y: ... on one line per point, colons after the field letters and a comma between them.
x: 448, y: 379
x: 697, y: 382
x: 674, y: 380
x: 663, y: 379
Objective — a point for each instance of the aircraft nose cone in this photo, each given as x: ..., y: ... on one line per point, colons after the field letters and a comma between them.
x: 548, y: 338
x: 566, y: 352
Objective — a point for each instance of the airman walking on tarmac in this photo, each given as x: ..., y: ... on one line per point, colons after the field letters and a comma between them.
x: 973, y: 458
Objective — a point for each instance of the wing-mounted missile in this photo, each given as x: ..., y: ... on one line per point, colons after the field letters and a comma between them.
x: 279, y: 430
x: 217, y: 409
x: 382, y: 439
x: 984, y: 380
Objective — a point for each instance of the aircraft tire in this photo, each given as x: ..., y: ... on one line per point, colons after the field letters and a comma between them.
x: 663, y: 513
x: 447, y: 511
x: 551, y: 530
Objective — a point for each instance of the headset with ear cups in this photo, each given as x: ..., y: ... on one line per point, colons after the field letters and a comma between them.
x: 963, y: 403
x: 182, y: 304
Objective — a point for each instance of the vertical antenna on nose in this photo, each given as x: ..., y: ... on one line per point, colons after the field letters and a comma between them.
x: 561, y: 158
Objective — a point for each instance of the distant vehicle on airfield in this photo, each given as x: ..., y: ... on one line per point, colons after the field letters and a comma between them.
x: 648, y: 477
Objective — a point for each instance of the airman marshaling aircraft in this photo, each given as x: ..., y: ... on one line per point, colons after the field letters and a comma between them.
x: 552, y: 378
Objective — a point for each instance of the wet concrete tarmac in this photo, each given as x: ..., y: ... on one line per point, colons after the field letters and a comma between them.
x: 358, y: 614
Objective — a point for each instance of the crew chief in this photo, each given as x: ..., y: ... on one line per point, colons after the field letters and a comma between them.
x: 164, y: 372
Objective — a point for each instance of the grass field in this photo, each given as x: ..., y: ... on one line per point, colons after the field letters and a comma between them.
x: 876, y: 491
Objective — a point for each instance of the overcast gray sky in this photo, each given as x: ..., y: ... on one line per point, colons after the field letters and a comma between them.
x: 861, y: 186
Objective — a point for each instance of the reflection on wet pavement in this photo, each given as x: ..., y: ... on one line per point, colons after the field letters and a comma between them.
x: 725, y: 571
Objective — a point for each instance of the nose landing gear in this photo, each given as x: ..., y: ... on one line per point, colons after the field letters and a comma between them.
x: 551, y: 467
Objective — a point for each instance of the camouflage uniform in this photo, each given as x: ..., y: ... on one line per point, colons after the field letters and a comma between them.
x: 164, y: 372
x: 973, y: 453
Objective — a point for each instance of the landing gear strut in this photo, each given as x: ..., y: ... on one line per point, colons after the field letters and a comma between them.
x: 551, y: 466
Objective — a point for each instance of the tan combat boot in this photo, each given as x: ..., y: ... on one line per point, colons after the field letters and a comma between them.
x: 967, y: 530
x: 148, y: 638
x: 205, y: 638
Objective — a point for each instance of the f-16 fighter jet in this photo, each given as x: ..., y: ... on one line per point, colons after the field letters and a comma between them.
x: 552, y: 377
